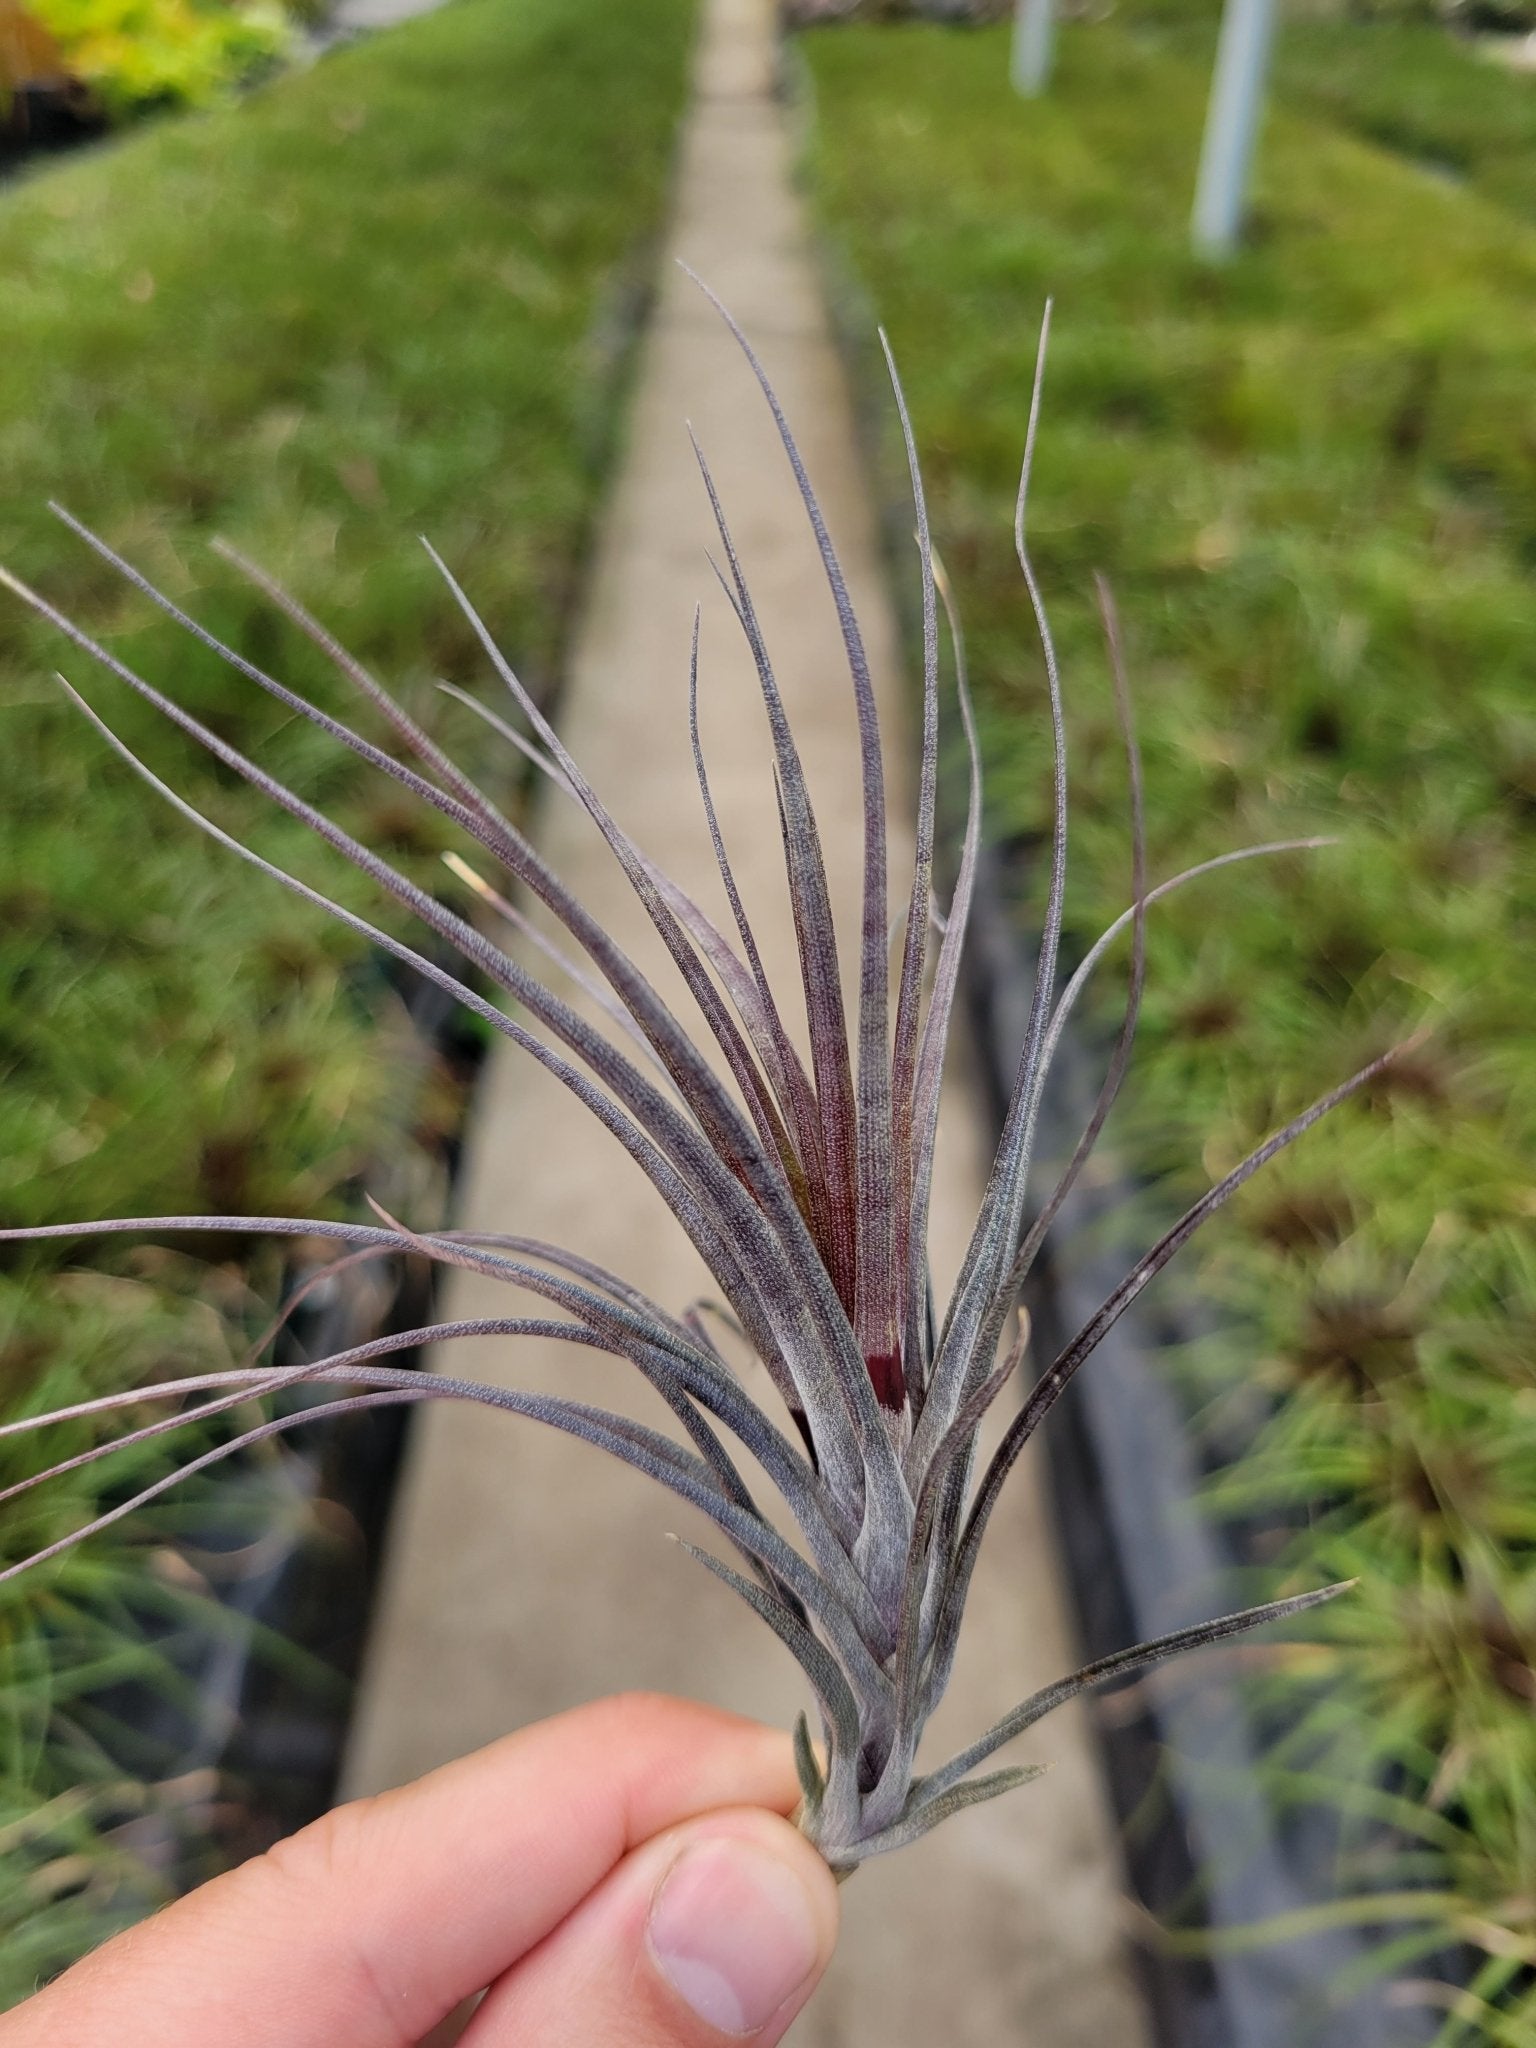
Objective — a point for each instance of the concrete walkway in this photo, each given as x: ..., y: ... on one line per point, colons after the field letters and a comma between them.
x: 348, y: 19
x: 527, y: 1573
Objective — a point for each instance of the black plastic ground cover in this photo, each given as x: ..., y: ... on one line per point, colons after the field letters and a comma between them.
x: 40, y: 120
x: 1203, y: 1846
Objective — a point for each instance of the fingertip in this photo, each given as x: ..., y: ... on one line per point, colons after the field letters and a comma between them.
x: 742, y: 1922
x: 715, y: 1931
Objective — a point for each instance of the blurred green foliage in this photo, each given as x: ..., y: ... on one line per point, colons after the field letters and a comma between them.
x: 386, y: 297
x: 1311, y: 476
x: 150, y: 53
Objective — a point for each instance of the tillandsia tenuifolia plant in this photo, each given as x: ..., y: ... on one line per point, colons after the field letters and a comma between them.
x: 804, y: 1187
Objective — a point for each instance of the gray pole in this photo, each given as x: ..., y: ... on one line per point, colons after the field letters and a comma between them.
x: 1034, y: 35
x: 1237, y: 95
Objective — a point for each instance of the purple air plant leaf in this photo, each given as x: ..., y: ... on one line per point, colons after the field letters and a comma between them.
x: 804, y: 1183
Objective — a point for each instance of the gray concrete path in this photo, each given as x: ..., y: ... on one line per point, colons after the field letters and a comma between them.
x: 527, y: 1573
x: 348, y: 19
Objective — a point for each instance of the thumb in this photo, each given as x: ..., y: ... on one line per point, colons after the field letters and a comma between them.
x: 716, y: 1931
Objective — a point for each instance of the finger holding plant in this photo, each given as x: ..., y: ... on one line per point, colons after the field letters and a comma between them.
x: 803, y: 1179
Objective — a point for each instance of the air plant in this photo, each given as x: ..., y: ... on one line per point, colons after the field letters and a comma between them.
x: 804, y: 1184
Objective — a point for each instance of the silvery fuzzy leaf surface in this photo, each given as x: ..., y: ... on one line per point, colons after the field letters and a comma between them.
x: 803, y: 1182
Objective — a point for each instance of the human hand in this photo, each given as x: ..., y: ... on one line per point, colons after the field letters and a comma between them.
x: 622, y: 1875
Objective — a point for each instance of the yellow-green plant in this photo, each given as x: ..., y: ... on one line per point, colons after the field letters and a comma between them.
x: 138, y: 53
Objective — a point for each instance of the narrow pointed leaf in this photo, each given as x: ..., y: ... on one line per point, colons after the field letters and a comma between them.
x: 812, y: 1784
x: 1120, y: 1664
x: 904, y: 1052
x: 815, y: 933
x: 831, y: 1687
x: 1120, y: 1056
x: 935, y: 1036
x: 922, y: 1819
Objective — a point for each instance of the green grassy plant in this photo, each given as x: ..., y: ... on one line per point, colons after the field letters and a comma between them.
x: 1312, y: 476
x: 390, y: 293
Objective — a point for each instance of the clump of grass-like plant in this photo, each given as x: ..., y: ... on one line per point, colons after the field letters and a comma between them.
x: 803, y: 1181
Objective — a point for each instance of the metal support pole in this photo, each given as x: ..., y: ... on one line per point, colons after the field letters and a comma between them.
x: 1034, y: 41
x: 1237, y: 95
